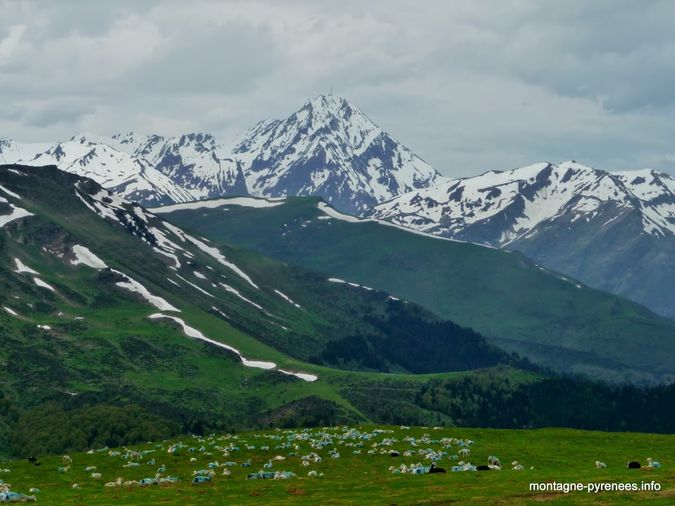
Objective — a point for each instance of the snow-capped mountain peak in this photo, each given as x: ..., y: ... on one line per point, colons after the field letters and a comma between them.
x: 498, y: 208
x: 329, y: 148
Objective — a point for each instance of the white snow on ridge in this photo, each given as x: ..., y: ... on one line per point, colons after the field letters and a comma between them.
x: 21, y: 267
x: 17, y: 212
x: 10, y: 193
x: 304, y: 376
x: 85, y: 257
x: 10, y: 311
x: 236, y: 292
x: 258, y: 364
x: 195, y: 286
x: 211, y: 251
x: 42, y: 284
x: 286, y: 298
x: 329, y: 211
x: 213, y: 204
x: 134, y: 286
x: 196, y: 334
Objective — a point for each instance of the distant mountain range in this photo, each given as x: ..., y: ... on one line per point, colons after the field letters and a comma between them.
x: 328, y: 148
x: 614, y: 231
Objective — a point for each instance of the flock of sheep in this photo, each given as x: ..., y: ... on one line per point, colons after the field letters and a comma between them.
x: 305, y: 448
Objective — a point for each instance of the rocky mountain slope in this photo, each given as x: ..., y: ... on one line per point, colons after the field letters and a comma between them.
x: 614, y: 231
x: 327, y: 148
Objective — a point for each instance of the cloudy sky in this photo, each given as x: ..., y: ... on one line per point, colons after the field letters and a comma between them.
x: 468, y: 85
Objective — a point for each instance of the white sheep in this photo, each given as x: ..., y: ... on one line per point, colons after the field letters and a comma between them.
x: 600, y: 465
x: 653, y: 463
x: 95, y: 476
x: 116, y: 483
x: 517, y: 466
x: 66, y: 460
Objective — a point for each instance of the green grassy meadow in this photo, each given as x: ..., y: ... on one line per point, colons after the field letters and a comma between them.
x: 360, y: 477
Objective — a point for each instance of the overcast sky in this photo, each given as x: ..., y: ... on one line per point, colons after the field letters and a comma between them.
x: 468, y: 85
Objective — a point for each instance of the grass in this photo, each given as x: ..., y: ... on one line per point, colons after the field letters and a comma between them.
x: 560, y: 455
x: 502, y: 295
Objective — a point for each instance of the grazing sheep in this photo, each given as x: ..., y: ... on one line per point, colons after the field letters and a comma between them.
x: 312, y: 474
x: 130, y: 483
x: 116, y: 483
x: 66, y: 460
x: 517, y: 466
x: 633, y: 464
x: 201, y: 478
x: 226, y: 472
x: 653, y: 464
x: 9, y: 496
x: 90, y: 468
x: 600, y: 465
x: 95, y: 476
x: 494, y: 463
x: 76, y: 486
x: 464, y: 452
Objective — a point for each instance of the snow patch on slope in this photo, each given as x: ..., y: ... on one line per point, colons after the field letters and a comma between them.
x: 134, y: 286
x: 85, y: 257
x: 258, y: 203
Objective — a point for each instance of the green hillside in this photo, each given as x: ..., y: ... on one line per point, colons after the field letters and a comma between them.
x: 116, y: 327
x: 356, y: 467
x: 515, y: 303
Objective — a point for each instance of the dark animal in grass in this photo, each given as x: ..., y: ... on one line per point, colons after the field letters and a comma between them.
x: 200, y: 478
x: 33, y: 460
x: 483, y: 467
x: 633, y: 464
x: 394, y: 454
x: 433, y: 469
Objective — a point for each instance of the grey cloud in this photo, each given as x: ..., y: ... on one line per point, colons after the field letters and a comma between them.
x: 470, y: 86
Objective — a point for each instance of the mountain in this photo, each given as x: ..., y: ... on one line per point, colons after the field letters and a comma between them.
x: 125, y: 175
x: 102, y: 301
x: 614, y: 231
x: 105, y: 304
x: 329, y: 148
x: 195, y: 162
x: 552, y: 319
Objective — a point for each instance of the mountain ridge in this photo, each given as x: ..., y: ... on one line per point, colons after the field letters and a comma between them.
x: 328, y: 148
x: 613, y: 230
x: 520, y: 305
